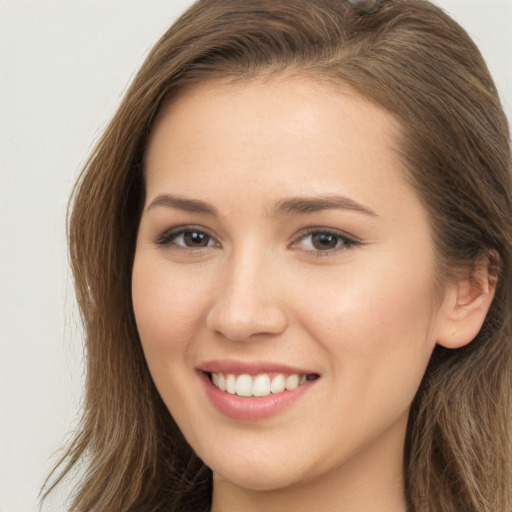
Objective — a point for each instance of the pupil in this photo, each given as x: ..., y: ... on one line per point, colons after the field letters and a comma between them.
x: 324, y: 241
x: 193, y: 238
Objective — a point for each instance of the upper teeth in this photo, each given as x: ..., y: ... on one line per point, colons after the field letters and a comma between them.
x: 259, y: 385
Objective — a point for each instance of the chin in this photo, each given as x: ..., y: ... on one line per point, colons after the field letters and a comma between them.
x: 259, y: 478
x: 260, y: 473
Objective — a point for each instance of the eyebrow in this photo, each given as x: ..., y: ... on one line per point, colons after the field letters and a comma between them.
x: 289, y: 206
x: 303, y: 205
x: 182, y: 203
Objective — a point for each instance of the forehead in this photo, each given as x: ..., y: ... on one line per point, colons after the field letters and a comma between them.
x: 265, y: 98
x: 289, y: 130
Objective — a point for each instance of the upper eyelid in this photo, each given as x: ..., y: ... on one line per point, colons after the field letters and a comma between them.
x: 322, y: 229
x: 175, y: 231
x: 349, y: 242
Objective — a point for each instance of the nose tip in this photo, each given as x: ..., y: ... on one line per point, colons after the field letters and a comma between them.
x: 240, y: 313
x: 241, y: 327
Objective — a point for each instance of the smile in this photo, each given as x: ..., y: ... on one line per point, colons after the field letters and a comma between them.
x: 261, y: 385
x: 254, y: 390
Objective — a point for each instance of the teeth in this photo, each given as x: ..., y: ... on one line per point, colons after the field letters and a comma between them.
x: 278, y: 384
x: 292, y: 382
x: 261, y: 385
x: 231, y: 384
x: 221, y: 381
x: 244, y: 385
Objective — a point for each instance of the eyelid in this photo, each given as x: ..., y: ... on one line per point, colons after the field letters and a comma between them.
x: 349, y: 241
x: 166, y: 237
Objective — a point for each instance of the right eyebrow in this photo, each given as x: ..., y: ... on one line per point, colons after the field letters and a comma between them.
x: 304, y: 205
x: 182, y: 203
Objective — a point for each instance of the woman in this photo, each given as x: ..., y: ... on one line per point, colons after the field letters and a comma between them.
x: 292, y: 253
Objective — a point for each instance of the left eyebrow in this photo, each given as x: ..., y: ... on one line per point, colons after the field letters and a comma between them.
x: 303, y: 205
x: 182, y: 203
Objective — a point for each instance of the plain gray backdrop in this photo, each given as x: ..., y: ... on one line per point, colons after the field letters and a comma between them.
x: 64, y: 65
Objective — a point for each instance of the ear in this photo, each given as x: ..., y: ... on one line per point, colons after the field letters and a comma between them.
x: 466, y: 303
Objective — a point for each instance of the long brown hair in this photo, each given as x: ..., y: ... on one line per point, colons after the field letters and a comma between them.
x: 416, y: 62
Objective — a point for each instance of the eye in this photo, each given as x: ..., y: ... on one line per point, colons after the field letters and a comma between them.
x: 187, y: 237
x: 324, y: 241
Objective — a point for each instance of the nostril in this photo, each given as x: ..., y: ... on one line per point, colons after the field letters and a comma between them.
x: 242, y: 321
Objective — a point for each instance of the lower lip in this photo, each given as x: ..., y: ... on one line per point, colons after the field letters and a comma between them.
x: 253, y: 408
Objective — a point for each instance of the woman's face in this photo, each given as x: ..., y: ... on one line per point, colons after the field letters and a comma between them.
x: 280, y: 245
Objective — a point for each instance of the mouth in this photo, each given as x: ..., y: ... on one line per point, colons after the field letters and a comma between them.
x: 254, y: 390
x: 261, y: 385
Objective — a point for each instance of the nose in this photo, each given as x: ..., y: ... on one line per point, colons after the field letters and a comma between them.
x: 248, y: 301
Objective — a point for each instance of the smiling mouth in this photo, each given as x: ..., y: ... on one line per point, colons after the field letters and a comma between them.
x: 261, y: 385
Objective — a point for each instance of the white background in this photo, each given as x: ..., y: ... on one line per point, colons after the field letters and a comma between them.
x: 64, y: 65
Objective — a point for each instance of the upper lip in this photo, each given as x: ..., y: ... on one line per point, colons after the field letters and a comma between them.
x: 238, y: 367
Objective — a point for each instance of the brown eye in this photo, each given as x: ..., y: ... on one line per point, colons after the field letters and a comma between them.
x: 324, y: 241
x: 196, y: 239
x: 187, y: 238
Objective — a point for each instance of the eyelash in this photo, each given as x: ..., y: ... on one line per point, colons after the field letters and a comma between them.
x: 342, y: 240
x: 169, y: 237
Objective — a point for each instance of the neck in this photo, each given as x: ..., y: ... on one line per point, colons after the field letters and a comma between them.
x: 372, y: 481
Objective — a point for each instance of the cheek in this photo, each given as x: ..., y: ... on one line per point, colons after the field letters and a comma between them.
x: 378, y: 334
x: 167, y: 311
x: 378, y: 326
x: 167, y: 307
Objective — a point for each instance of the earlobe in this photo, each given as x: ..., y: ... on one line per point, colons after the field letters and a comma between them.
x: 466, y: 303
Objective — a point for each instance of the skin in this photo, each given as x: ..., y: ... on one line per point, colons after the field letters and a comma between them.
x: 363, y: 316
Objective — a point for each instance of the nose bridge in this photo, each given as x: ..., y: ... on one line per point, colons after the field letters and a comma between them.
x: 249, y: 300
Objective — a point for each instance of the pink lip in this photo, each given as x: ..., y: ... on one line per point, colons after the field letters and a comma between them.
x: 237, y: 367
x: 253, y: 408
